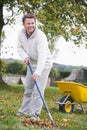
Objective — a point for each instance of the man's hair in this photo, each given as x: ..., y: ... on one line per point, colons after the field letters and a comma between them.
x: 28, y: 16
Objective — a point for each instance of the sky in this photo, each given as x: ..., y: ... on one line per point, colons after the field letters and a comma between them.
x: 70, y: 54
x: 65, y: 52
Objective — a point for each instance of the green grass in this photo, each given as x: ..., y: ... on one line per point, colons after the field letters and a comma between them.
x: 10, y: 101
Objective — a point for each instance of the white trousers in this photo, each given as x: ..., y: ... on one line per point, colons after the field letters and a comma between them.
x: 32, y: 102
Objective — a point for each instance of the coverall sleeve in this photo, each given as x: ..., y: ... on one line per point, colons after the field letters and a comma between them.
x: 42, y: 54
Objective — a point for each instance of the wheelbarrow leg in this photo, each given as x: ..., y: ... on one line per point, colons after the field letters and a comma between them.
x: 82, y: 108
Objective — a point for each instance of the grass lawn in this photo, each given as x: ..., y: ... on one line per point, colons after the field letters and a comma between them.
x: 10, y: 101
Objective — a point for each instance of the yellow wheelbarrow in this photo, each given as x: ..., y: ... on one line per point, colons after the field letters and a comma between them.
x: 71, y: 93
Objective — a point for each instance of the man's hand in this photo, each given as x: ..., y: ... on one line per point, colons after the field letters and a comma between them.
x: 35, y: 76
x: 27, y: 60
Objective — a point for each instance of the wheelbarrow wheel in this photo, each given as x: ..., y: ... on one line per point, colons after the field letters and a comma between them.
x: 67, y: 107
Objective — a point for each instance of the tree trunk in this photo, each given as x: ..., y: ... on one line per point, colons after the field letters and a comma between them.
x: 1, y: 27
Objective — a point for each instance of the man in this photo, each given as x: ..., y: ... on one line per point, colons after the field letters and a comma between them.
x: 33, y: 48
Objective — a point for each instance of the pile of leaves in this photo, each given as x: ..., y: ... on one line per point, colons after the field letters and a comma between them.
x: 39, y: 123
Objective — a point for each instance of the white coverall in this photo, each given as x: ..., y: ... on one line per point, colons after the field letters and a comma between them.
x: 35, y: 47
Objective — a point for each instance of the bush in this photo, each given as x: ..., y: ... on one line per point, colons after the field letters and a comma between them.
x: 54, y: 75
x: 64, y: 74
x: 16, y: 68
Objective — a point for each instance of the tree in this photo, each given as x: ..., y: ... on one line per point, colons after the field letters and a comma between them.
x: 12, y: 7
x: 61, y: 17
x: 56, y: 17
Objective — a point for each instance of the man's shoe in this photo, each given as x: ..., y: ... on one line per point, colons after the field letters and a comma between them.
x: 21, y: 114
x: 35, y: 117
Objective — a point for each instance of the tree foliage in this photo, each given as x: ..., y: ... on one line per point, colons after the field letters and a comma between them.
x: 57, y: 17
x: 60, y: 17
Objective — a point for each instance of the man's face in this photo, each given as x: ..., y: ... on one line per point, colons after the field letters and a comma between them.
x: 29, y: 25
